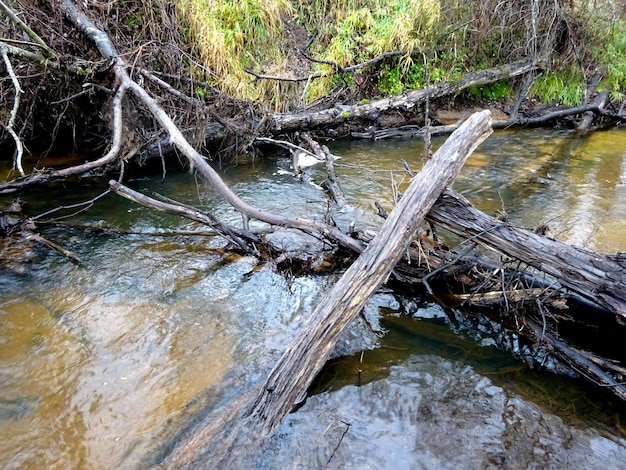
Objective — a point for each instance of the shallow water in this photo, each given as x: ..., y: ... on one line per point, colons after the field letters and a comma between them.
x: 102, y: 363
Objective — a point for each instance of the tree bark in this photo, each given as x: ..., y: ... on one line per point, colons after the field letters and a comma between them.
x: 404, y: 102
x: 601, y: 279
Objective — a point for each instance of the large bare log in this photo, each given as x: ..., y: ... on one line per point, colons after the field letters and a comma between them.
x: 287, y: 383
x: 404, y: 102
x: 568, y: 302
x: 599, y: 278
x: 340, y: 306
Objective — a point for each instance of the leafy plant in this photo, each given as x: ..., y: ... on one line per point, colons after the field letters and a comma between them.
x: 492, y: 92
x: 565, y: 88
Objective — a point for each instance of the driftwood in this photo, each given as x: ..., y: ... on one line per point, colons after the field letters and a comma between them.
x: 288, y: 382
x: 405, y: 102
x: 598, y: 278
x: 571, y: 301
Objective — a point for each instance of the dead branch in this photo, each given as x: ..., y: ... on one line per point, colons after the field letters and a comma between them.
x: 196, y: 160
x: 27, y: 55
x: 49, y: 53
x: 19, y: 148
x: 585, y: 366
x: 232, y: 234
x: 334, y: 66
x: 54, y: 246
x: 41, y: 177
x: 283, y: 143
x: 330, y: 183
x: 530, y: 78
x: 404, y: 102
x: 169, y: 88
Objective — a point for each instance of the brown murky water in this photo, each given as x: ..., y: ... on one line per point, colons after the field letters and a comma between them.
x: 102, y: 364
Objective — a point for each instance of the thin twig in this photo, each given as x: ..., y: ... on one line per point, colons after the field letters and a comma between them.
x: 55, y: 246
x: 284, y: 143
x: 83, y: 205
x: 339, y: 443
x: 169, y: 88
x: 24, y: 27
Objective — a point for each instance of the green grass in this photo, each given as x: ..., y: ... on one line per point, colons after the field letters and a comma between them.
x: 229, y: 36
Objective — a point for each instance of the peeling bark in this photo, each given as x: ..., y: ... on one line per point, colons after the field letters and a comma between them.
x: 599, y: 278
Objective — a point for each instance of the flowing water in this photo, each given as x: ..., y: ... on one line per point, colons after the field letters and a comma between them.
x: 102, y: 364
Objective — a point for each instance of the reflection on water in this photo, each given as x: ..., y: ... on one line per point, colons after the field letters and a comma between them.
x: 428, y: 413
x: 576, y: 185
x: 100, y: 363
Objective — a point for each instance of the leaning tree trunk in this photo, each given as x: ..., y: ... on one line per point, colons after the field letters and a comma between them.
x: 288, y: 382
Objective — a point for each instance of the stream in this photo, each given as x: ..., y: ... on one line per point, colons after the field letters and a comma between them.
x: 104, y: 364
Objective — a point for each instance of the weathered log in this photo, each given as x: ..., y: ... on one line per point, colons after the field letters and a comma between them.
x: 334, y: 117
x: 405, y: 132
x: 599, y: 278
x: 349, y: 295
x: 286, y: 385
x: 579, y: 363
x: 404, y: 102
x: 567, y: 302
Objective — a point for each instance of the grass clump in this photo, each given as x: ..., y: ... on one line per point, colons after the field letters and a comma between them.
x: 352, y: 31
x: 566, y: 87
x: 230, y: 36
x: 613, y: 57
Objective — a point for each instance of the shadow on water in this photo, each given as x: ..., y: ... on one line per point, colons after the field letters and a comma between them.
x: 429, y: 397
x: 572, y: 400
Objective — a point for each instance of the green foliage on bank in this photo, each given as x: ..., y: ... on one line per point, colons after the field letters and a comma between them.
x: 613, y: 57
x: 436, y: 40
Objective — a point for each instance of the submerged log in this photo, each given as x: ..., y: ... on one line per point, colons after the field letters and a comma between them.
x: 288, y: 382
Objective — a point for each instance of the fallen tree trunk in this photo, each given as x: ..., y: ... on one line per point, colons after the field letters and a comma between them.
x: 346, y: 299
x: 362, y: 115
x: 287, y: 384
x: 599, y: 278
x: 567, y: 302
x: 403, y: 102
